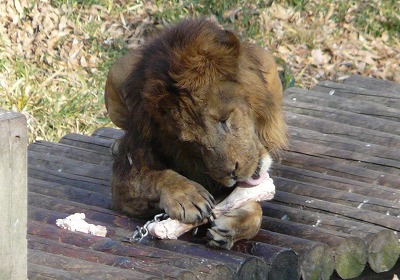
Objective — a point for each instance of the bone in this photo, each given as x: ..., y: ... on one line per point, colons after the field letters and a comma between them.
x: 243, y: 193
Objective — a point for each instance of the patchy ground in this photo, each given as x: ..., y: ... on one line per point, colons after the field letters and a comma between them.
x: 54, y: 58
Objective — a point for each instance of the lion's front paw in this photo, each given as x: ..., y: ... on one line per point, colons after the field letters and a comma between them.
x: 190, y: 203
x: 240, y: 223
x: 221, y: 237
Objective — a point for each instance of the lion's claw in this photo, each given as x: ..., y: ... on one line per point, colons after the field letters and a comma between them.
x: 217, y: 238
x: 190, y: 204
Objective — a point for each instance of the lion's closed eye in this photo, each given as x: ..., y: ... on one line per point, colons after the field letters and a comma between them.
x: 224, y: 125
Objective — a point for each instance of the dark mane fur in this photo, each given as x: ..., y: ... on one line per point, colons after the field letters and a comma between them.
x: 176, y: 62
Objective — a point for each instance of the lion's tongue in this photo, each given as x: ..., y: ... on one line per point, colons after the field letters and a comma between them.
x: 255, y: 182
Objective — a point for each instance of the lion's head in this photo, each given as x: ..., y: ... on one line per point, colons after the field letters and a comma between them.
x: 198, y: 94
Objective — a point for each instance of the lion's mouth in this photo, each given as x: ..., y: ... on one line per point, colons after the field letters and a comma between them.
x: 258, y: 176
x: 254, y: 182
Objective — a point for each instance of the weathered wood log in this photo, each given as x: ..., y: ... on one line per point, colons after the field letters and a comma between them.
x: 343, y: 143
x: 130, y: 263
x: 53, y: 176
x: 116, y: 223
x: 340, y: 197
x: 100, y: 145
x: 13, y: 193
x: 92, y: 212
x: 369, y: 136
x: 245, y: 266
x: 350, y: 252
x: 316, y: 260
x: 378, y: 164
x: 69, y: 166
x: 91, y: 269
x: 107, y: 245
x: 343, y: 210
x: 383, y: 250
x: 309, y: 161
x: 72, y: 193
x: 108, y: 133
x: 321, y: 114
x: 359, y: 106
x: 382, y: 244
x: 75, y: 153
x: 382, y: 86
x: 283, y: 263
x: 49, y: 209
x: 335, y: 182
x: 387, y: 98
x: 51, y: 216
x: 92, y: 187
x: 40, y: 272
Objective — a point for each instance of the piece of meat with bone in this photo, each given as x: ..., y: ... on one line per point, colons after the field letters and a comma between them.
x: 244, y: 192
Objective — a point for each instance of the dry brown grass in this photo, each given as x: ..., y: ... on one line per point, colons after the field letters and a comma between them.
x: 54, y: 58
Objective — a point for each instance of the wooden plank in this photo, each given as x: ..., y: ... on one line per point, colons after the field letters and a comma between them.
x: 115, y: 224
x: 100, y: 145
x: 244, y: 265
x: 382, y: 244
x: 91, y: 269
x: 350, y: 252
x: 346, y: 157
x: 283, y: 262
x: 72, y: 193
x: 70, y: 166
x: 44, y: 215
x: 45, y: 174
x: 369, y: 136
x: 331, y: 101
x: 43, y: 272
x: 94, y: 213
x: 108, y: 133
x: 296, y: 108
x: 367, y: 216
x: 70, y: 152
x: 343, y: 143
x: 125, y: 262
x: 13, y: 193
x: 335, y: 182
x: 309, y: 161
x: 373, y: 84
x: 369, y: 274
x: 144, y: 253
x: 359, y: 201
x: 106, y: 190
x: 387, y: 98
x: 316, y: 260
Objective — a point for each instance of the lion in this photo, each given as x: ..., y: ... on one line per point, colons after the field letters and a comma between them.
x: 201, y: 112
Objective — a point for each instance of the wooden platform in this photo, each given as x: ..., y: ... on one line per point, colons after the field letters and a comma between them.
x: 336, y: 213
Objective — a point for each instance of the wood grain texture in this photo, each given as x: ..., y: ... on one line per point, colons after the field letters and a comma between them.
x: 13, y: 192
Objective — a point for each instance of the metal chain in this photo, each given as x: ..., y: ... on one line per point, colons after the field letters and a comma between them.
x: 142, y: 232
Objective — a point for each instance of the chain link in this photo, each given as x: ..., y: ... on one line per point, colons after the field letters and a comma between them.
x: 142, y: 232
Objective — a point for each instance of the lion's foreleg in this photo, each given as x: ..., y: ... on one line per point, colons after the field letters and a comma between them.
x: 151, y: 191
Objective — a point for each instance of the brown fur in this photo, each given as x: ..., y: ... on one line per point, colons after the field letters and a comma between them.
x: 199, y: 109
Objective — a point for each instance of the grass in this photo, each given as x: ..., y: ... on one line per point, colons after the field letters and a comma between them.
x: 54, y: 58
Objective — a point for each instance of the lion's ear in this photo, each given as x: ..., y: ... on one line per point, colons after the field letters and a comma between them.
x: 115, y: 94
x: 229, y: 41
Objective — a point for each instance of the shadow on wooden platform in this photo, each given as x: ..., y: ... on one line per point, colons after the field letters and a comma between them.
x: 335, y: 215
